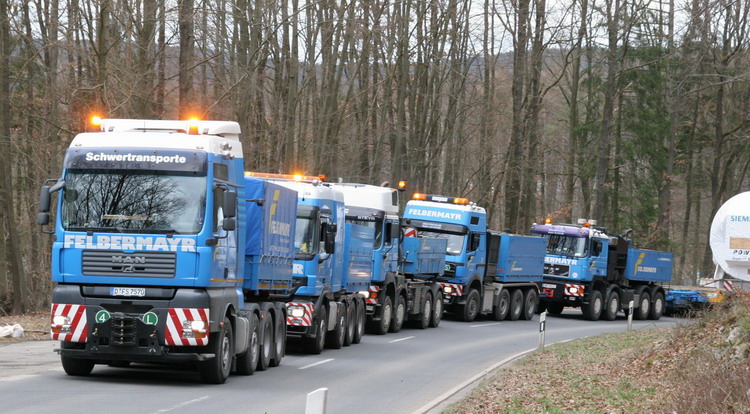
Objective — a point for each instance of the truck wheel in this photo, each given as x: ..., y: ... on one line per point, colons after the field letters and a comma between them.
x: 399, y: 314
x: 75, y: 367
x: 221, y: 344
x: 350, y: 324
x: 644, y: 305
x: 425, y: 314
x: 470, y: 309
x: 555, y: 308
x: 530, y: 298
x: 593, y: 310
x: 266, y: 342
x: 658, y: 307
x: 316, y: 345
x: 382, y: 326
x: 336, y: 337
x: 516, y: 305
x: 500, y: 312
x: 247, y: 361
x: 437, y: 310
x: 361, y: 316
x: 279, y: 340
x: 613, y: 306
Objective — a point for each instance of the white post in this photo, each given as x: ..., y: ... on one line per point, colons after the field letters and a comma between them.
x: 317, y: 401
x: 630, y: 315
x: 542, y: 327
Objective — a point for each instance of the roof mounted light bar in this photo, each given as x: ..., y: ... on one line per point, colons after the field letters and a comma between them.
x: 290, y: 177
x: 441, y: 199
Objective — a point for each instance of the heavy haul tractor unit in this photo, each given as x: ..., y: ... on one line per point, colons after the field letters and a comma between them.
x: 486, y: 272
x: 164, y: 252
x: 599, y: 272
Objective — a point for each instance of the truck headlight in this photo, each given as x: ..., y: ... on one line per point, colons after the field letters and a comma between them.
x: 365, y: 293
x: 448, y: 289
x: 297, y: 311
x: 573, y: 290
x: 60, y: 320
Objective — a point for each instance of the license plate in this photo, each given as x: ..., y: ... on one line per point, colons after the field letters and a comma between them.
x: 126, y: 291
x: 548, y: 285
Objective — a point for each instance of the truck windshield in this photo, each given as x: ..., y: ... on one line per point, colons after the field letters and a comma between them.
x: 305, y: 238
x: 135, y: 201
x: 455, y: 240
x: 571, y: 246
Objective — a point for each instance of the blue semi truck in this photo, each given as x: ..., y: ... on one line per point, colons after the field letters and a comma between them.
x: 601, y: 273
x: 332, y: 264
x: 486, y: 272
x: 164, y: 252
x: 404, y: 285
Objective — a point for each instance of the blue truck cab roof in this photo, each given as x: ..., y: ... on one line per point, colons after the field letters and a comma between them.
x: 471, y: 217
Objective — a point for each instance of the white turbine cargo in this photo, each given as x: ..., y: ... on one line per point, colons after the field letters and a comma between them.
x: 730, y: 238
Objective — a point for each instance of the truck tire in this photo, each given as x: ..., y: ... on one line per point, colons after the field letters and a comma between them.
x: 555, y: 308
x: 500, y: 312
x: 216, y: 370
x: 247, y: 361
x: 425, y: 314
x: 657, y: 308
x: 337, y: 336
x: 279, y: 340
x: 644, y: 307
x: 266, y: 342
x: 399, y: 314
x: 361, y: 317
x: 75, y: 367
x: 470, y: 309
x: 593, y: 310
x: 516, y: 305
x: 437, y: 310
x: 530, y: 298
x: 382, y: 326
x: 315, y: 345
x: 350, y: 323
x: 612, y: 306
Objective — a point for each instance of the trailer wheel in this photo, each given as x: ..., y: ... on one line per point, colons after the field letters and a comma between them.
x: 425, y: 314
x: 266, y: 342
x: 658, y: 307
x: 359, y: 328
x: 530, y: 299
x: 216, y: 370
x: 337, y: 336
x: 316, y: 345
x: 555, y: 308
x: 500, y: 312
x: 350, y: 323
x: 279, y: 340
x: 516, y: 305
x: 382, y: 326
x: 644, y: 306
x: 399, y: 314
x: 613, y: 306
x: 247, y: 361
x: 593, y: 310
x: 437, y: 310
x: 75, y: 367
x: 470, y: 309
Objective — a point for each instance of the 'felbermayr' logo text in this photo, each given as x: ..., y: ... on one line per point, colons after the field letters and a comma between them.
x: 156, y: 159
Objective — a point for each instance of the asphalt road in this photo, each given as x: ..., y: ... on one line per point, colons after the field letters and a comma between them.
x: 406, y: 372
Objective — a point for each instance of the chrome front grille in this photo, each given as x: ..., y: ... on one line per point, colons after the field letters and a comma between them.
x: 138, y: 264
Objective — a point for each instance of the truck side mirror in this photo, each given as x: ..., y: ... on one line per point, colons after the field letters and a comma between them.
x: 230, y: 205
x: 392, y: 231
x: 329, y: 244
x: 42, y: 219
x: 44, y: 201
x: 229, y: 224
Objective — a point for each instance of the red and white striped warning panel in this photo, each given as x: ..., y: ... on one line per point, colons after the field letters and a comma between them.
x: 184, y: 327
x: 728, y: 285
x: 573, y: 290
x: 453, y: 289
x: 410, y: 232
x: 68, y: 323
x: 299, y: 313
x: 373, y: 298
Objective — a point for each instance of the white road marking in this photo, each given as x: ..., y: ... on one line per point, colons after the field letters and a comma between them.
x: 17, y: 378
x: 484, y: 324
x: 401, y: 339
x: 316, y: 363
x: 182, y: 404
